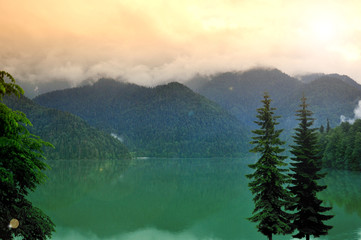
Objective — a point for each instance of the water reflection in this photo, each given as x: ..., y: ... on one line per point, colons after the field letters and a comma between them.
x: 166, y: 194
x: 68, y: 181
x: 344, y: 195
x: 343, y: 189
x: 189, y: 199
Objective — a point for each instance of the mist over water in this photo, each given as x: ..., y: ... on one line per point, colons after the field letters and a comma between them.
x: 144, y: 234
x: 173, y: 199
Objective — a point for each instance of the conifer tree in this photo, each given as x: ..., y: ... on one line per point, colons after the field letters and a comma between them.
x: 322, y: 129
x: 308, y: 218
x: 328, y: 127
x: 270, y: 197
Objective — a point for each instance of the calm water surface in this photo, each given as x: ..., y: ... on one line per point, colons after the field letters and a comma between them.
x: 158, y: 199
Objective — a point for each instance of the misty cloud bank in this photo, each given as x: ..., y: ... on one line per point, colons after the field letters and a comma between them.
x: 146, y: 43
x: 357, y: 115
x: 77, y: 68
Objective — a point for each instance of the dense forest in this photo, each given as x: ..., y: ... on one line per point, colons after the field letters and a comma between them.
x: 165, y: 121
x: 71, y: 136
x: 341, y: 146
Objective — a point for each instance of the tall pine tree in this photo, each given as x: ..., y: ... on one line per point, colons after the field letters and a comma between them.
x: 328, y: 127
x: 308, y: 218
x: 270, y: 197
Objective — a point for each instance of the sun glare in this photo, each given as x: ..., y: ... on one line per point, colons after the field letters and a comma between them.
x: 324, y: 29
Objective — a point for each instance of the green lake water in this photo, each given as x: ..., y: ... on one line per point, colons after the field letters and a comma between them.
x: 159, y: 199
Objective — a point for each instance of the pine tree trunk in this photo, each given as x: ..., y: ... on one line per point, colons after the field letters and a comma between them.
x: 307, y: 237
x: 270, y: 237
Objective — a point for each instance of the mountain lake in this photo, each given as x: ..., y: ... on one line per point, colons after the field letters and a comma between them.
x: 173, y: 199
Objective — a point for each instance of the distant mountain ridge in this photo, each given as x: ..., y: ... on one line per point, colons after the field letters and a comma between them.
x: 168, y: 120
x: 329, y: 96
x: 241, y: 92
x: 308, y: 78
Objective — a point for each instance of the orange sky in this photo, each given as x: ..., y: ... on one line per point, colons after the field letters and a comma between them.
x: 153, y: 41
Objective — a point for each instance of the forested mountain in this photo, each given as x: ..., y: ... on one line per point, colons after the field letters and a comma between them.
x: 312, y: 77
x: 72, y: 137
x: 341, y: 146
x: 168, y: 120
x: 329, y: 96
x: 307, y: 78
x: 240, y: 92
x: 171, y: 120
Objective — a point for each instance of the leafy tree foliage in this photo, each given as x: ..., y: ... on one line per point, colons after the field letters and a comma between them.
x: 341, y: 147
x: 9, y: 86
x: 308, y: 218
x: 21, y: 170
x: 271, y: 198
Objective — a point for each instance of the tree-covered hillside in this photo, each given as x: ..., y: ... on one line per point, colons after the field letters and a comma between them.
x: 72, y: 137
x: 168, y: 120
x: 341, y: 146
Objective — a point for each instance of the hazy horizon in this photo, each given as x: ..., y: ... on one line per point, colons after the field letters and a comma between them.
x: 152, y: 42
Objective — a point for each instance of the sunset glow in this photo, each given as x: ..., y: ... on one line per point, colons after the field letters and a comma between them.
x: 324, y: 30
x: 149, y: 42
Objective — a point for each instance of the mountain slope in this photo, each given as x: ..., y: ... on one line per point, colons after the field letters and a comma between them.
x: 308, y: 78
x: 168, y: 120
x: 240, y: 93
x: 72, y: 137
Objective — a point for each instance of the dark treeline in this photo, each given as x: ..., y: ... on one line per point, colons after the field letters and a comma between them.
x: 341, y: 146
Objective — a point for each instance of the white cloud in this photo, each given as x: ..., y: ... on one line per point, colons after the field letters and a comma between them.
x: 357, y: 115
x: 150, y: 42
x: 120, y: 138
